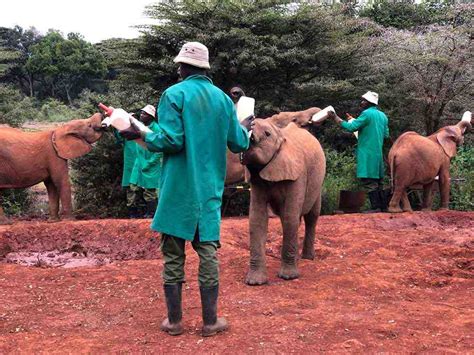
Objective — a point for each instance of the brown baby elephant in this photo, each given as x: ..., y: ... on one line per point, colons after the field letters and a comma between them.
x: 415, y: 159
x: 236, y: 171
x: 28, y: 158
x: 287, y: 168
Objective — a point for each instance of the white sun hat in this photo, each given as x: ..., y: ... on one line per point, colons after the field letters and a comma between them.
x: 150, y: 109
x: 372, y: 97
x: 195, y: 54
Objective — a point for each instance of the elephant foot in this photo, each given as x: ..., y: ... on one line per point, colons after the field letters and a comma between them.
x: 288, y: 272
x: 394, y: 210
x: 444, y: 209
x: 307, y: 254
x: 68, y: 218
x: 53, y: 219
x: 426, y: 209
x: 256, y: 277
x: 409, y: 209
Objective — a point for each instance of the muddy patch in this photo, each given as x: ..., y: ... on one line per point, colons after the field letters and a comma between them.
x: 77, y: 244
x: 54, y: 258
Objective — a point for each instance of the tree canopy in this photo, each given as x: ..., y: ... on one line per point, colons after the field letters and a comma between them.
x: 65, y: 65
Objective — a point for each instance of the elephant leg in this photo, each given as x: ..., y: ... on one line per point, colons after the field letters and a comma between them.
x: 444, y: 188
x: 310, y: 221
x: 394, y: 205
x: 53, y: 197
x: 290, y: 221
x: 258, y: 220
x: 406, y: 203
x: 427, y: 196
x: 64, y: 188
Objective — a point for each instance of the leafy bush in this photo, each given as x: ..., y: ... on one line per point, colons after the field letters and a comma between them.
x: 462, y: 166
x: 97, y: 180
x: 16, y: 202
x: 340, y: 175
x: 55, y: 111
x: 15, y: 108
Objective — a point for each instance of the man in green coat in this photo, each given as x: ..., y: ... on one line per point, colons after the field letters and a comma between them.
x: 146, y: 174
x: 197, y: 122
x: 372, y: 128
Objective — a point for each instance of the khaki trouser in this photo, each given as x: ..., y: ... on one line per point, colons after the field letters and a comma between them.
x: 138, y: 196
x: 174, y: 256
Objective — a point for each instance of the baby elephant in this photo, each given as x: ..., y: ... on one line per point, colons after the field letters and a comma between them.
x: 28, y: 158
x: 287, y: 168
x: 415, y: 159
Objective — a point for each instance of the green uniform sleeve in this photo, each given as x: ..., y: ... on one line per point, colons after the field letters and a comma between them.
x: 169, y: 136
x: 357, y: 124
x: 237, y: 137
x: 386, y: 132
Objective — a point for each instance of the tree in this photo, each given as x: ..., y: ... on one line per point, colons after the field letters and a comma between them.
x: 285, y: 54
x: 406, y: 14
x: 19, y: 41
x: 430, y: 73
x: 7, y: 56
x: 66, y: 66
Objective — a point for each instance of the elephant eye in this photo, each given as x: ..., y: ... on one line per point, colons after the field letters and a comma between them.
x: 267, y: 134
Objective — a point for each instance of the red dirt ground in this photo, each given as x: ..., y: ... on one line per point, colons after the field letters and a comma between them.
x: 380, y: 283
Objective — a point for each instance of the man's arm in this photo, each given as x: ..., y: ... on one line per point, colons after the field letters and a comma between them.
x: 237, y: 137
x: 353, y: 126
x: 169, y: 136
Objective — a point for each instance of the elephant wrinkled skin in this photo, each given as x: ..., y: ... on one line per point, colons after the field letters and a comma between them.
x: 415, y: 159
x: 28, y: 158
x: 287, y: 168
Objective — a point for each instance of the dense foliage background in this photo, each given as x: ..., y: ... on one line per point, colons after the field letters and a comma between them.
x: 288, y: 55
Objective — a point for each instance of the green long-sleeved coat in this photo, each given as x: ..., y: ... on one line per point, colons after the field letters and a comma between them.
x: 372, y: 125
x: 129, y: 156
x: 197, y: 123
x: 147, y: 169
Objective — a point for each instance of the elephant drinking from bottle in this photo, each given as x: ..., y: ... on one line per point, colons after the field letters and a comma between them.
x: 28, y: 158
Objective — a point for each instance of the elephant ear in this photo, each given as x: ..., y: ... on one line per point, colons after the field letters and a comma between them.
x: 447, y: 138
x: 69, y: 145
x: 287, y: 164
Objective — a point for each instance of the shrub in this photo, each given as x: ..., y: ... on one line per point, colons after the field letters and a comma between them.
x: 462, y: 166
x: 16, y: 201
x: 15, y: 108
x: 97, y: 180
x: 340, y: 175
x: 55, y: 111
